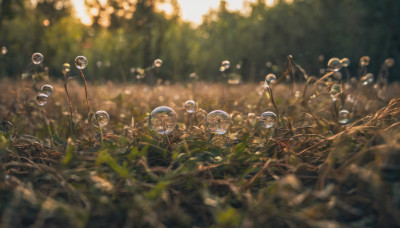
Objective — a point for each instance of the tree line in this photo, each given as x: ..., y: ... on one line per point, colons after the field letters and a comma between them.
x: 126, y: 36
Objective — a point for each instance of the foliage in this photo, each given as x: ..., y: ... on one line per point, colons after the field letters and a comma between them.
x: 138, y: 33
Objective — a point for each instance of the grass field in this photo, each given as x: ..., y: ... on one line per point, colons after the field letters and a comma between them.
x: 308, y: 171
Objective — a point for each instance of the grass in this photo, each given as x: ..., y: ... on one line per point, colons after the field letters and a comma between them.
x: 309, y: 172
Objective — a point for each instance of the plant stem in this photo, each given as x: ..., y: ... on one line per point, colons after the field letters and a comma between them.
x: 86, y: 93
x: 48, y: 127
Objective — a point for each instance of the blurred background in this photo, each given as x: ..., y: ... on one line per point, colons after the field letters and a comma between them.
x: 120, y: 38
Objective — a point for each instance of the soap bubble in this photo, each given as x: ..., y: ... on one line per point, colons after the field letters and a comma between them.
x: 163, y: 120
x: 47, y: 89
x: 268, y: 120
x: 251, y: 118
x: 100, y: 119
x: 37, y: 58
x: 190, y: 106
x: 367, y: 79
x: 389, y: 62
x: 335, y: 89
x: 226, y: 64
x: 81, y: 62
x: 41, y: 99
x: 66, y: 68
x: 158, y: 63
x: 364, y: 61
x: 344, y: 117
x: 218, y: 122
x: 269, y: 79
x: 334, y: 64
x: 345, y: 62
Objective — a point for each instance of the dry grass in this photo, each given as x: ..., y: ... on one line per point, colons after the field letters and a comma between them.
x: 311, y: 172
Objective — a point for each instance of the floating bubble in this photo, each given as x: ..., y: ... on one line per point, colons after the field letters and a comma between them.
x: 4, y: 50
x: 364, y: 61
x: 334, y: 64
x: 345, y: 62
x: 66, y: 68
x: 37, y: 58
x: 367, y: 79
x: 190, y: 106
x: 226, y: 64
x: 41, y: 99
x: 344, y: 117
x: 81, y: 62
x: 251, y: 118
x: 163, y: 120
x: 321, y: 58
x: 222, y: 69
x: 389, y: 62
x: 218, y: 122
x: 158, y: 63
x: 269, y: 79
x: 268, y: 120
x: 47, y: 89
x: 268, y: 64
x: 100, y: 119
x: 335, y: 89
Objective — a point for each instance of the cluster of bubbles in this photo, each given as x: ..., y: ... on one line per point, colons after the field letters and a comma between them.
x: 81, y: 62
x: 37, y: 58
x: 164, y: 119
x: 43, y: 96
x: 100, y: 119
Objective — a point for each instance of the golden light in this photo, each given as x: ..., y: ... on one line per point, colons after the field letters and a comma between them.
x: 81, y: 13
x: 191, y: 10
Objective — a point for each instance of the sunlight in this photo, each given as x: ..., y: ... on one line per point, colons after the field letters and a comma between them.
x: 191, y: 10
x: 81, y: 13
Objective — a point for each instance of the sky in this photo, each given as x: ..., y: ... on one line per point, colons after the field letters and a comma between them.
x: 191, y: 10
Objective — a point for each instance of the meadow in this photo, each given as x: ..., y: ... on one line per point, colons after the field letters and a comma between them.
x: 314, y: 166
